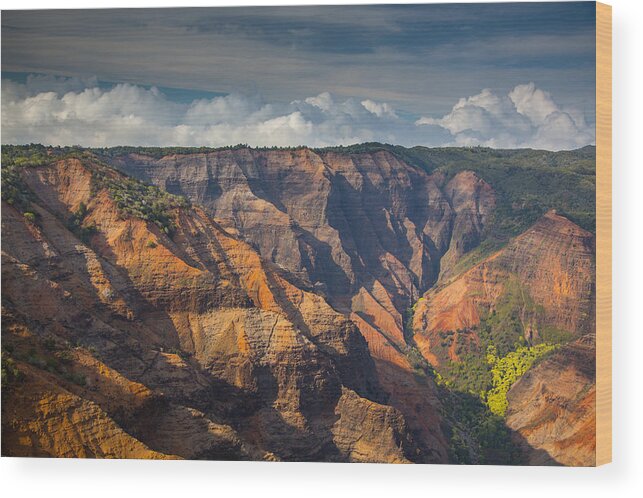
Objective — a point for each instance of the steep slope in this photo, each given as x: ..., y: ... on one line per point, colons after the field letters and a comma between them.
x: 553, y: 407
x: 473, y: 201
x: 540, y: 287
x: 366, y: 230
x: 273, y: 320
x: 250, y: 363
x: 485, y: 328
x: 344, y: 223
x: 50, y: 420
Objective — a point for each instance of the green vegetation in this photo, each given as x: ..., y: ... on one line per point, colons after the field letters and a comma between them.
x: 474, y: 395
x: 83, y: 231
x: 529, y: 182
x: 503, y: 327
x: 17, y: 157
x: 407, y: 326
x: 30, y: 217
x: 10, y: 372
x: 508, y: 369
x: 184, y: 355
x: 552, y: 335
x: 54, y: 357
x: 470, y: 375
x: 489, y: 245
x: 135, y: 198
x: 421, y: 367
x: 475, y: 388
x: 503, y: 354
x: 14, y: 190
x: 477, y: 436
x: 78, y: 216
x: 159, y: 152
x: 131, y: 196
x: 24, y: 156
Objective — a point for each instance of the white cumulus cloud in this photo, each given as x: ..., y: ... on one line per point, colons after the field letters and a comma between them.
x: 379, y: 109
x: 63, y: 111
x: 70, y: 111
x: 526, y: 117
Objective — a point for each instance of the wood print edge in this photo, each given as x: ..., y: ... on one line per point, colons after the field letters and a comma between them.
x: 603, y: 233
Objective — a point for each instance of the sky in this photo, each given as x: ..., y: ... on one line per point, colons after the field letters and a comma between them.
x: 504, y: 75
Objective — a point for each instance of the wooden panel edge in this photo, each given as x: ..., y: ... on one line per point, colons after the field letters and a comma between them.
x: 603, y: 233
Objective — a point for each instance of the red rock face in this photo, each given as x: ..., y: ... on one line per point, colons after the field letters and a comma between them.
x: 473, y: 201
x: 368, y: 231
x: 552, y: 407
x: 273, y: 323
x: 338, y: 220
x: 266, y: 370
x: 550, y: 267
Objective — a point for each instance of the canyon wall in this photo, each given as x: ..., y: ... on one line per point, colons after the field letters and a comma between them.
x: 187, y: 345
x: 301, y: 306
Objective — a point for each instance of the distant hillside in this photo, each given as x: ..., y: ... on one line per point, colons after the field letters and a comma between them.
x: 530, y: 182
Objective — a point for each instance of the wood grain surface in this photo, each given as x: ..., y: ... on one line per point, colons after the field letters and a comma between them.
x: 603, y: 233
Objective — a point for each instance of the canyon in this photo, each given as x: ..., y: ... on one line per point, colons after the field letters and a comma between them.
x: 285, y: 304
